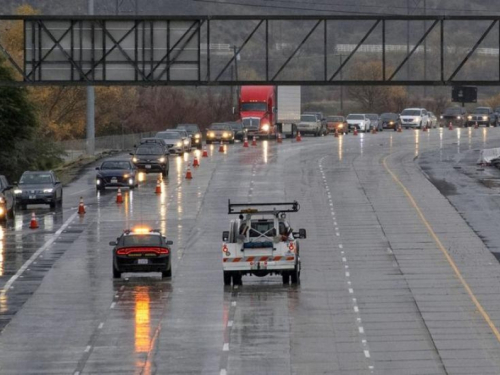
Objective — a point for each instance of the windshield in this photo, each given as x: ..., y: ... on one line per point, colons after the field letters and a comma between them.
x: 218, y: 127
x: 372, y: 117
x: 236, y: 125
x: 482, y: 110
x: 335, y: 119
x: 411, y: 112
x: 116, y: 165
x: 308, y: 118
x: 149, y: 151
x: 453, y: 111
x: 188, y: 127
x: 355, y: 117
x: 168, y: 135
x: 36, y: 178
x: 142, y: 240
x: 389, y: 116
x: 253, y: 107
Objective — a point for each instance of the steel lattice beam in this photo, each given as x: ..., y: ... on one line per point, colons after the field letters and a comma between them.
x: 161, y: 50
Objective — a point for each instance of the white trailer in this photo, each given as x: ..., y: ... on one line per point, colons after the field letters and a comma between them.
x: 289, y: 109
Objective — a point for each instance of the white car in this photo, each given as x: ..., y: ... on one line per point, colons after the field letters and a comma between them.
x: 414, y: 118
x: 359, y: 121
x: 261, y: 242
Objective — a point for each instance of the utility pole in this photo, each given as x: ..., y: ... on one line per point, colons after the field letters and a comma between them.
x: 408, y: 45
x: 341, y: 88
x: 425, y: 49
x: 90, y: 127
x: 236, y: 56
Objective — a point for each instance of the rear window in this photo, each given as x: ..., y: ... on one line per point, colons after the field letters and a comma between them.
x: 335, y: 119
x: 355, y: 117
x: 168, y: 135
x: 219, y: 127
x: 149, y: 151
x: 411, y: 112
x: 389, y: 116
x: 262, y: 228
x: 141, y: 240
x: 308, y: 118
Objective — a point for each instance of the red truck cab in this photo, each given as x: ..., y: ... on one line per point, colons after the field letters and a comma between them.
x: 257, y: 106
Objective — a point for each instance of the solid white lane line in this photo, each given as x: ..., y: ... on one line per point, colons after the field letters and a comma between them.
x: 31, y: 260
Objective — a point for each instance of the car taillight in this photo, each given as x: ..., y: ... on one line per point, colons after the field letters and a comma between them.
x: 224, y: 248
x: 135, y: 250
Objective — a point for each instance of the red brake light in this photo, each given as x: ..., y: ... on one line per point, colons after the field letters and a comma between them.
x: 132, y: 250
x: 291, y: 247
x: 224, y: 248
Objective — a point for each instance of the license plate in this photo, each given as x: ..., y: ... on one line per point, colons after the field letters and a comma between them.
x: 258, y: 266
x: 142, y: 261
x: 114, y: 180
x: 32, y: 197
x: 148, y: 166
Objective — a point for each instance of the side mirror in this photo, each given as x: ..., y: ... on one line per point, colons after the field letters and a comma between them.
x: 225, y: 236
x: 302, y: 233
x: 9, y: 187
x: 169, y: 243
x: 97, y: 168
x: 135, y: 146
x: 113, y: 243
x: 131, y: 153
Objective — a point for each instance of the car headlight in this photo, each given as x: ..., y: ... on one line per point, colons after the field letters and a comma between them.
x: 225, y: 134
x: 265, y: 127
x: 134, y: 159
x: 178, y: 144
x: 391, y: 123
x: 131, y: 181
x: 98, y: 182
x: 186, y: 142
x: 18, y: 191
x: 126, y: 175
x: 341, y: 126
x: 48, y: 190
x: 485, y: 117
x: 441, y: 117
x: 2, y: 200
x: 469, y: 117
x: 210, y: 134
x: 2, y: 211
x: 197, y: 135
x: 161, y: 160
x: 459, y: 117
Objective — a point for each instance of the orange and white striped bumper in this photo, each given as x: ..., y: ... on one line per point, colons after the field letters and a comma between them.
x: 259, y: 263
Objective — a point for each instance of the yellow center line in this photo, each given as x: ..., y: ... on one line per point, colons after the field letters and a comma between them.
x: 448, y: 257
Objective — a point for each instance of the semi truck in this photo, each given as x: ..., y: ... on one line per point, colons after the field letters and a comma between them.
x: 266, y: 111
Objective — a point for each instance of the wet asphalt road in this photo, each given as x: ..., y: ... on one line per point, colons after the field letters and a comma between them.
x: 378, y: 295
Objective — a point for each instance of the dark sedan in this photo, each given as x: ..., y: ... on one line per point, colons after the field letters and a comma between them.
x: 7, y: 200
x: 39, y: 188
x: 239, y: 131
x: 151, y: 158
x: 194, y: 132
x: 115, y: 173
x: 390, y: 121
x: 141, y: 250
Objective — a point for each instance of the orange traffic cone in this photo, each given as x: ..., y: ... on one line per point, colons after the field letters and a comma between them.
x: 280, y: 139
x: 158, y: 186
x: 189, y: 176
x: 245, y: 142
x: 254, y: 141
x: 476, y: 125
x: 336, y: 135
x: 34, y: 221
x: 450, y: 127
x: 298, y: 138
x: 221, y: 147
x: 205, y: 153
x: 81, y: 207
x: 355, y: 131
x: 400, y: 129
x: 119, y: 197
x: 196, y: 163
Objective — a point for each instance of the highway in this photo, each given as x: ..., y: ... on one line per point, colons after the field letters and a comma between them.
x: 394, y: 280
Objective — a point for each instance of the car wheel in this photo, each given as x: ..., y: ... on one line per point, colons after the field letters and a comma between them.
x: 12, y: 212
x: 286, y: 277
x: 164, y: 172
x: 295, y: 275
x: 237, y: 279
x: 167, y: 273
x: 53, y: 204
x: 227, y: 278
x: 116, y: 273
x: 101, y: 188
x: 24, y: 207
x: 231, y: 141
x: 208, y: 142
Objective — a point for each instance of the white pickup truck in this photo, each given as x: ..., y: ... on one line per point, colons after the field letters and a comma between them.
x: 261, y: 242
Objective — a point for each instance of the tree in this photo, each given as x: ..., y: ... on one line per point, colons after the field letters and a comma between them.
x: 375, y: 99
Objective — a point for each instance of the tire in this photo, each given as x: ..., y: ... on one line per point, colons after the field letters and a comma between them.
x: 420, y: 126
x: 237, y: 279
x: 227, y: 278
x: 53, y: 204
x: 164, y: 172
x: 116, y: 273
x: 208, y: 142
x: 231, y: 142
x: 286, y: 278
x: 100, y: 188
x: 24, y: 207
x: 11, y: 214
x: 167, y: 273
x: 295, y: 275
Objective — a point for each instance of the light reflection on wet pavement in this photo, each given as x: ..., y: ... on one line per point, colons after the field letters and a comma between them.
x: 67, y: 315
